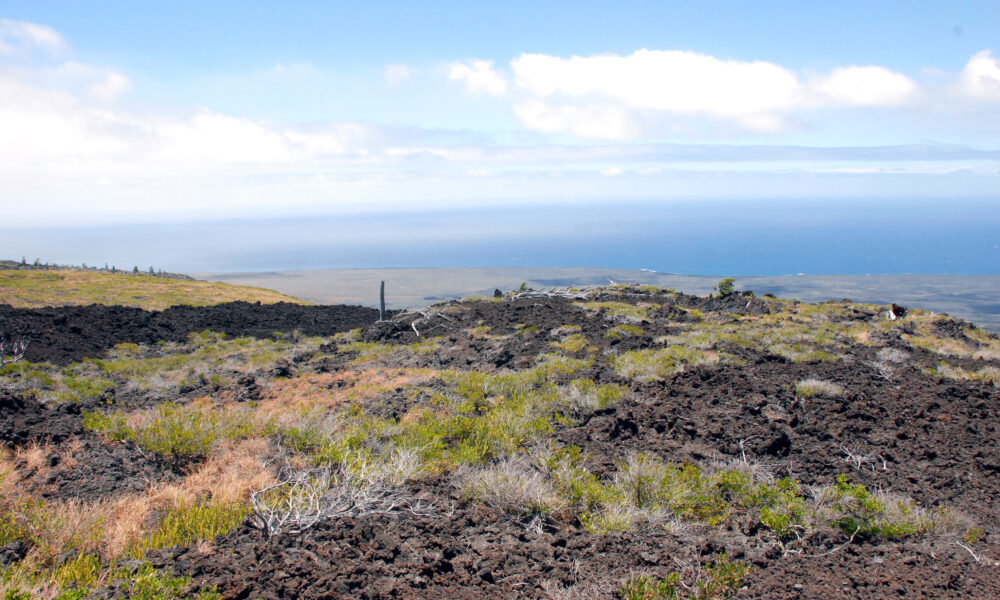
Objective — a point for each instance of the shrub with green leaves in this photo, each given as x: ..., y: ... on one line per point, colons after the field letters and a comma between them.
x: 725, y: 287
x: 855, y: 510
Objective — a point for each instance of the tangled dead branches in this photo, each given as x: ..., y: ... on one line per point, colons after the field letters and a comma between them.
x: 303, y: 498
x: 14, y: 351
x: 424, y: 319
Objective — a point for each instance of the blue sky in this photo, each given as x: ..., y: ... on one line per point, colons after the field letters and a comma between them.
x: 141, y: 111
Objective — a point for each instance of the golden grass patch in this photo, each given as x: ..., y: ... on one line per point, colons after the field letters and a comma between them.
x: 34, y: 289
x: 329, y: 390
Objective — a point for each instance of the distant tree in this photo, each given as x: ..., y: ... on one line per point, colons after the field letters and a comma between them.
x: 725, y: 287
x: 135, y: 269
x: 38, y: 262
x: 23, y: 261
x: 150, y: 270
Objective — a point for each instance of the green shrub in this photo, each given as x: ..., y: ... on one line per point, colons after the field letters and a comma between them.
x: 855, y: 510
x: 725, y: 287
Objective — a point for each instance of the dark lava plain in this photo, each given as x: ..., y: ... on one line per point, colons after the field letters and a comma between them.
x: 900, y: 423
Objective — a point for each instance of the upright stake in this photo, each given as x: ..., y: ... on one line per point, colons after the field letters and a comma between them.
x: 381, y: 302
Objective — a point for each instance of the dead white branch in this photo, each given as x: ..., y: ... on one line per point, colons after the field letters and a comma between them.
x: 12, y: 351
x: 977, y: 557
x: 838, y: 547
x: 303, y: 498
x: 553, y: 293
x: 859, y: 460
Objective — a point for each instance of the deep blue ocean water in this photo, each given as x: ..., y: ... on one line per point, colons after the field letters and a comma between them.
x: 713, y: 238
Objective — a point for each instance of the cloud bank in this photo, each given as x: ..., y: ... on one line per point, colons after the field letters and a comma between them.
x: 568, y: 94
x: 73, y: 150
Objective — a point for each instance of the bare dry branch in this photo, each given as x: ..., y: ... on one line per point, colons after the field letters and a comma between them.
x: 303, y: 498
x: 15, y: 351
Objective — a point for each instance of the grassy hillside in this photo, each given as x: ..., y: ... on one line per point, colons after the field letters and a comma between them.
x: 32, y: 289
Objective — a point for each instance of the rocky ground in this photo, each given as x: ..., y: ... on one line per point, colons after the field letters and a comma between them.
x: 910, y: 411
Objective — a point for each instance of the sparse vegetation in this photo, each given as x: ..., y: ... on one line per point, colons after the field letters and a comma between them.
x: 293, y: 432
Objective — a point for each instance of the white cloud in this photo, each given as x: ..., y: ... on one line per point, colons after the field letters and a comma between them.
x: 612, y: 172
x: 674, y: 81
x: 113, y: 85
x: 980, y: 79
x: 479, y: 76
x: 755, y: 95
x: 398, y: 74
x: 598, y: 121
x: 864, y: 86
x: 22, y: 37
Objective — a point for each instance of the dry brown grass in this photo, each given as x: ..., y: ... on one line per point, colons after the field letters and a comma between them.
x: 231, y: 472
x: 328, y: 390
x: 34, y: 289
x: 111, y: 526
x: 28, y: 466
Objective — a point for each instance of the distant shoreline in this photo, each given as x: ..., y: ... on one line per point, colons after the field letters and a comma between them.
x: 975, y: 298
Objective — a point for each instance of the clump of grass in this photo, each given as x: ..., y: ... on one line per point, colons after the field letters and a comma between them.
x: 715, y: 581
x: 522, y: 329
x: 621, y: 331
x: 565, y: 330
x: 855, y: 510
x: 146, y: 583
x: 198, y: 522
x: 513, y: 485
x: 988, y: 374
x: 368, y: 352
x: 479, y: 332
x: 811, y: 387
x: 659, y: 363
x: 572, y: 343
x: 178, y: 431
x: 583, y: 395
x: 622, y: 310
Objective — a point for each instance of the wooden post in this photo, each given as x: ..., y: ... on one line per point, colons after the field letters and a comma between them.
x: 381, y: 302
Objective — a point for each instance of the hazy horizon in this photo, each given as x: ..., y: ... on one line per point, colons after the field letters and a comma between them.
x: 848, y: 237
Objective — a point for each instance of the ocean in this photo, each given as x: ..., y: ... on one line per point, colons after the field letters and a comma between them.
x: 734, y: 238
